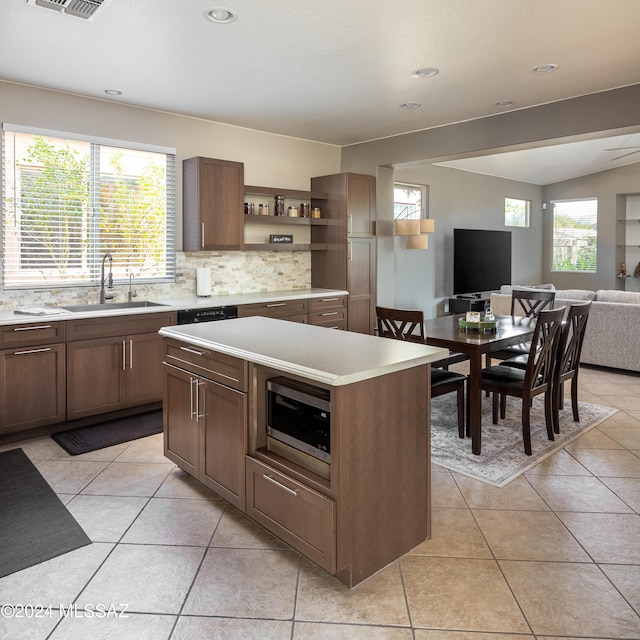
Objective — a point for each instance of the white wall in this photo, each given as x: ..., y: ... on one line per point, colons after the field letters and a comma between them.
x: 460, y: 199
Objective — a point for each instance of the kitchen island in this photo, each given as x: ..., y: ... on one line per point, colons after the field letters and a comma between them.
x: 352, y: 511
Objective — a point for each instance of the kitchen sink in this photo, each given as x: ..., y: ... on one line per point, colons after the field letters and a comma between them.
x: 106, y: 306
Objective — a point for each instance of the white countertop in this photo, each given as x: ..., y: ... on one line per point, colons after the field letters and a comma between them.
x: 8, y: 317
x: 324, y: 355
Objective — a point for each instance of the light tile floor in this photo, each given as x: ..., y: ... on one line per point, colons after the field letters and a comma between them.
x: 554, y: 554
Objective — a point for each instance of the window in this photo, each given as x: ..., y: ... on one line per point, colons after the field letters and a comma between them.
x: 575, y: 235
x: 69, y: 200
x: 408, y: 201
x: 516, y: 212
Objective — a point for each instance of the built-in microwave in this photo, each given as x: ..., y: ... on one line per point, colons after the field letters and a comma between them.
x: 299, y: 415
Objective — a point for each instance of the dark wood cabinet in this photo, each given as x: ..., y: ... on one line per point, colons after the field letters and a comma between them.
x: 32, y: 387
x: 349, y: 261
x: 205, y: 421
x: 118, y: 371
x: 292, y: 310
x: 212, y: 207
x: 330, y: 312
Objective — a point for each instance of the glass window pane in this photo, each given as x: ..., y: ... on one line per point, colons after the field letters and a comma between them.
x: 575, y: 235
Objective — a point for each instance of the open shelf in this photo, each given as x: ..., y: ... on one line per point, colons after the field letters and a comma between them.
x: 287, y: 193
x: 251, y: 219
x: 267, y: 246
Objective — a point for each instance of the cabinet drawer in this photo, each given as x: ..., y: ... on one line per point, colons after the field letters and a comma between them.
x: 274, y: 309
x: 219, y: 367
x: 328, y: 317
x: 328, y: 302
x: 31, y: 334
x: 300, y: 516
x: 110, y: 326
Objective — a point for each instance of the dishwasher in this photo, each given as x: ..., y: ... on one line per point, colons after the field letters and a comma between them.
x: 207, y: 314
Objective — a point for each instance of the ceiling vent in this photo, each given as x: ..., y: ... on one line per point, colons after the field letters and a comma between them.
x: 79, y: 8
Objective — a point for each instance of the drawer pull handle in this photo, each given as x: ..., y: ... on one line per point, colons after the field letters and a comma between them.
x: 198, y: 353
x: 293, y: 492
x: 329, y: 299
x: 330, y: 313
x: 24, y: 353
x: 277, y: 304
x: 40, y: 326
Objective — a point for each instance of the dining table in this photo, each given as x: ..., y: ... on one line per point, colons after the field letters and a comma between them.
x: 445, y: 331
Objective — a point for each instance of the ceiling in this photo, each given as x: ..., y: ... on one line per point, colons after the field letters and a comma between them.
x: 331, y: 71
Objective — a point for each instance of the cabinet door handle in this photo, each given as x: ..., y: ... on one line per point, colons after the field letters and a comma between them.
x: 350, y: 251
x: 40, y: 326
x: 124, y: 355
x: 191, y: 381
x: 198, y: 353
x: 24, y: 353
x: 329, y: 313
x: 130, y: 354
x: 279, y: 484
x: 277, y: 304
x: 350, y: 224
x: 199, y: 383
x: 202, y: 236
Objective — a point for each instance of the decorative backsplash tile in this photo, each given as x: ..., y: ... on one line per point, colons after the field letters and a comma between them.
x: 232, y: 272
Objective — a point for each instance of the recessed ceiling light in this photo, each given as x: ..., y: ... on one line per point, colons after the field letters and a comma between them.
x: 221, y: 15
x: 504, y: 103
x: 113, y: 92
x: 427, y: 72
x: 544, y: 68
x: 409, y: 105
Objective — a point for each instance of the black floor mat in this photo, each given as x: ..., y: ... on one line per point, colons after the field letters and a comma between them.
x: 34, y: 524
x: 106, y: 434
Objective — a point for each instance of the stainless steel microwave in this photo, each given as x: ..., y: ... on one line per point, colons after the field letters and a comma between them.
x: 299, y: 415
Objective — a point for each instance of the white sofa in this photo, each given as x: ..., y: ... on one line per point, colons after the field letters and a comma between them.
x: 612, y: 336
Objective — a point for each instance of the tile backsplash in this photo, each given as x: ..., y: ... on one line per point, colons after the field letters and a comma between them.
x: 232, y: 272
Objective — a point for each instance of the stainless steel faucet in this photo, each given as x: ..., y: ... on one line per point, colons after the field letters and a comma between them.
x: 132, y: 294
x: 103, y: 295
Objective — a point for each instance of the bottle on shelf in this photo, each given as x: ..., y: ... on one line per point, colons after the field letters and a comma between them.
x: 278, y: 209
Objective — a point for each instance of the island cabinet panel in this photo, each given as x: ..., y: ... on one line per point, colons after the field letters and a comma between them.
x: 383, y: 470
x: 224, y: 446
x: 33, y: 387
x: 213, y: 213
x: 205, y: 421
x: 300, y: 516
x: 181, y: 430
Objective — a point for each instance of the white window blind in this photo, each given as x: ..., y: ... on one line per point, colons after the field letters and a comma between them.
x: 69, y: 200
x: 575, y: 235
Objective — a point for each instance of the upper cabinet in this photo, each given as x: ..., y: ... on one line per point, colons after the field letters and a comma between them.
x: 212, y: 209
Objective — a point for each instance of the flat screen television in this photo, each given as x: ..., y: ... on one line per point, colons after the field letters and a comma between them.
x: 481, y: 260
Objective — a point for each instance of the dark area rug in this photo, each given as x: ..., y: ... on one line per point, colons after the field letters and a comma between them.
x: 107, y: 434
x: 34, y: 524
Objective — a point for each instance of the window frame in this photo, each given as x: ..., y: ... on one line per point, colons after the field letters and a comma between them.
x: 89, y: 274
x: 527, y: 213
x: 594, y: 214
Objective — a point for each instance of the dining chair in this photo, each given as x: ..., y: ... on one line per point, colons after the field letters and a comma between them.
x: 408, y: 325
x: 536, y: 378
x: 568, y: 360
x: 528, y: 304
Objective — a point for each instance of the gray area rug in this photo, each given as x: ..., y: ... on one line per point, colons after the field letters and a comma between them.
x: 503, y: 458
x: 34, y: 524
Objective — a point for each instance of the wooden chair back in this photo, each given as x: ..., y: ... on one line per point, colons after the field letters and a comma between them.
x: 541, y: 363
x: 400, y: 324
x: 572, y: 338
x: 531, y: 303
